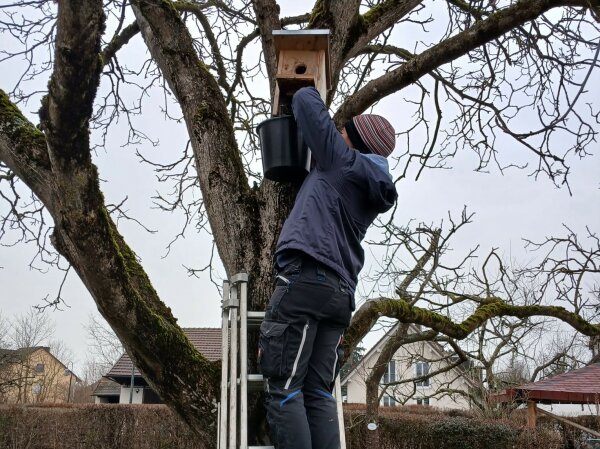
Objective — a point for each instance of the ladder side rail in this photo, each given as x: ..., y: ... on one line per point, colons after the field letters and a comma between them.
x: 223, y: 418
x: 233, y: 365
x: 219, y: 425
x: 340, y: 412
x: 243, y: 294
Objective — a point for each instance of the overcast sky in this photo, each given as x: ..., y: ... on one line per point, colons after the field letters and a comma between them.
x: 508, y: 208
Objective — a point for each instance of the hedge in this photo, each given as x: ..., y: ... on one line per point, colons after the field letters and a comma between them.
x: 428, y: 428
x: 105, y: 426
x: 109, y: 426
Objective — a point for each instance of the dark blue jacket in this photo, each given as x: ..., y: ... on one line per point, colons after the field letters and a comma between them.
x: 341, y: 196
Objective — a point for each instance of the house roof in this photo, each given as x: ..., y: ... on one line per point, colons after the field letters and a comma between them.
x: 580, y: 386
x: 18, y: 356
x: 107, y: 387
x: 206, y: 340
x: 23, y: 352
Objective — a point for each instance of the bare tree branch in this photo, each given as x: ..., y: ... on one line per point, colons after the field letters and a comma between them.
x: 380, y: 18
x: 84, y: 232
x: 118, y: 42
x: 267, y: 17
x: 215, y: 149
x: 481, y: 32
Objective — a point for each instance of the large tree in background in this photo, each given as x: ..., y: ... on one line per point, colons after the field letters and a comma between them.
x: 505, y: 349
x: 494, y: 66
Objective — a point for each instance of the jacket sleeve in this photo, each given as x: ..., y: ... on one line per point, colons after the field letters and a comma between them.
x: 318, y: 130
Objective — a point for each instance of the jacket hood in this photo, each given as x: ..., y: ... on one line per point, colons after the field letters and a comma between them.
x: 382, y: 191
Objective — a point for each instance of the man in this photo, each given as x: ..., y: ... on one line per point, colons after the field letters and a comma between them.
x: 318, y: 258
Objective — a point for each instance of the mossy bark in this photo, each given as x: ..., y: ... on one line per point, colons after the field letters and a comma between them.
x: 57, y: 166
x: 364, y: 319
x: 245, y: 221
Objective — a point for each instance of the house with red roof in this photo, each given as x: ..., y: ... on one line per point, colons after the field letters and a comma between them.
x: 124, y: 384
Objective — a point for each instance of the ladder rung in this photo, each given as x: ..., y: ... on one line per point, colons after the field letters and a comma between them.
x: 240, y: 277
x: 255, y: 378
x: 255, y: 318
x: 255, y: 382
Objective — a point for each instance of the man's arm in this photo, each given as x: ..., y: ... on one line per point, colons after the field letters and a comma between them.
x: 319, y: 132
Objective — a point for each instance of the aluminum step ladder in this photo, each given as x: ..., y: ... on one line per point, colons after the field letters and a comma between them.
x: 233, y: 408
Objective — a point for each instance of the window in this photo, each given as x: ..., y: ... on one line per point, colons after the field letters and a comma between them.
x: 423, y: 370
x: 36, y: 388
x: 423, y: 401
x: 390, y: 374
x: 39, y: 368
x: 389, y: 401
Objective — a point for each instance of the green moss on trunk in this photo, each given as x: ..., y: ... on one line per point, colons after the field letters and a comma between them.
x: 21, y: 131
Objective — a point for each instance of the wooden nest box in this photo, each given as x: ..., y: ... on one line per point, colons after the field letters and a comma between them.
x: 302, y: 60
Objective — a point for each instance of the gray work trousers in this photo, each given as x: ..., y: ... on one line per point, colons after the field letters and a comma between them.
x: 300, y: 354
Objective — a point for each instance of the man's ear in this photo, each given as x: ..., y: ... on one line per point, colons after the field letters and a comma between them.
x: 346, y: 137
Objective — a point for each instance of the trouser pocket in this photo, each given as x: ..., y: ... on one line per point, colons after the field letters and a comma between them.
x: 271, y: 347
x: 284, y: 351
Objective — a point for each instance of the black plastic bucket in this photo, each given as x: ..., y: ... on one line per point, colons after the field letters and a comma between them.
x: 285, y: 156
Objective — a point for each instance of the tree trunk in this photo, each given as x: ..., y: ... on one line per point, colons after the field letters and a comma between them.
x: 56, y: 165
x: 372, y: 436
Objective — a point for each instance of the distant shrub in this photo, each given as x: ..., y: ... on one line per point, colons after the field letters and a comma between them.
x: 415, y: 427
x: 573, y: 438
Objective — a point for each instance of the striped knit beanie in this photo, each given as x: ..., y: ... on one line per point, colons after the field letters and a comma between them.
x: 372, y: 134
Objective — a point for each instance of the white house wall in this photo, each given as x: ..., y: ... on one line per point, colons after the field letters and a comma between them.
x: 138, y: 395
x: 406, y: 358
